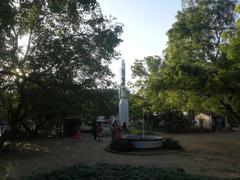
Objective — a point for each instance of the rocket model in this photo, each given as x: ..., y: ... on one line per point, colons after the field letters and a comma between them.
x: 123, y: 103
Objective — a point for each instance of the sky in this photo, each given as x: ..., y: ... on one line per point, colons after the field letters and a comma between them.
x: 146, y: 23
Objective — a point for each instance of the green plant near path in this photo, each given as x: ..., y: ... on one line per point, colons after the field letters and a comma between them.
x: 122, y: 145
x: 171, y: 144
x: 134, y: 130
x: 115, y: 171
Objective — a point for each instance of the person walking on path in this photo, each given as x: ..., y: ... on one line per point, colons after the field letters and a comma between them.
x: 99, y: 132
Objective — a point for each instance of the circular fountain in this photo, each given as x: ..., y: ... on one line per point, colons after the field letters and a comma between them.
x: 144, y: 141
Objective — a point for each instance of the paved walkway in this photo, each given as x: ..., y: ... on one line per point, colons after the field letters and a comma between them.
x: 46, y: 154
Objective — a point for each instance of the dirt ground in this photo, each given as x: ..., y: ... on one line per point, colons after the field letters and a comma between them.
x: 211, y: 154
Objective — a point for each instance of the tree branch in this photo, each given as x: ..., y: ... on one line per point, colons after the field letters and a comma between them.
x: 28, y: 45
x: 229, y: 108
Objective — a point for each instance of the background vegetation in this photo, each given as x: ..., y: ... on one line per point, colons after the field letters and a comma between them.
x: 199, y: 71
x: 61, y: 70
x: 111, y: 171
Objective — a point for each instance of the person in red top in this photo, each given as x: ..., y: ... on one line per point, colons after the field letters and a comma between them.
x: 77, y: 135
x: 117, y: 133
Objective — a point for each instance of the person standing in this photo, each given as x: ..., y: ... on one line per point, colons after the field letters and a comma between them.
x: 117, y: 133
x: 78, y: 135
x: 94, y: 129
x: 99, y: 132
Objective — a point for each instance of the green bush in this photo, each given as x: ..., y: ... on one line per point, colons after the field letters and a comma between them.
x: 169, y: 143
x: 114, y: 171
x: 122, y: 145
x: 133, y: 130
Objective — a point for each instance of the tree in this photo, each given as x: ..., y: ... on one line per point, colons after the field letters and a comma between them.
x: 69, y: 46
x: 144, y: 100
x: 101, y: 102
x: 229, y: 77
x: 195, y: 66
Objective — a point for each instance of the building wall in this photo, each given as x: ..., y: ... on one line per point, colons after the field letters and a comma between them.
x: 203, y: 121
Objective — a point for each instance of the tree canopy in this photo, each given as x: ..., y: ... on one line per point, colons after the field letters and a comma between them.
x: 54, y: 54
x: 200, y: 68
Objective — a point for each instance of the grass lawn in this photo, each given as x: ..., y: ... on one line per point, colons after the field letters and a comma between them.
x: 115, y: 172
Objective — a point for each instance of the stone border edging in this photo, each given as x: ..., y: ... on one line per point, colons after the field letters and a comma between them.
x: 152, y: 152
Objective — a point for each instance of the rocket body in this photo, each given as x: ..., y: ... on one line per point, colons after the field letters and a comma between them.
x: 123, y: 103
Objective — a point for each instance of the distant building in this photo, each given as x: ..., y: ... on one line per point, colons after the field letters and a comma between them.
x: 203, y: 121
x: 210, y: 122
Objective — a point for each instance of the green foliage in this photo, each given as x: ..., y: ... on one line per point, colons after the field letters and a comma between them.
x: 133, y: 130
x: 115, y: 171
x: 121, y: 145
x: 194, y: 61
x: 143, y: 100
x: 69, y: 45
x: 193, y: 76
x: 171, y: 144
x: 200, y: 69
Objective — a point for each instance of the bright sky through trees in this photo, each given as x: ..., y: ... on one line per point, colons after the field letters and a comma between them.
x: 145, y: 25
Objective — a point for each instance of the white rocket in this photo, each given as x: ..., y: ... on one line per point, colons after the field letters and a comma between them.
x: 123, y: 103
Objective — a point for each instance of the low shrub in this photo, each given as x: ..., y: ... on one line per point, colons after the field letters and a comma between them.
x: 169, y: 143
x: 115, y: 171
x: 133, y: 130
x: 122, y: 145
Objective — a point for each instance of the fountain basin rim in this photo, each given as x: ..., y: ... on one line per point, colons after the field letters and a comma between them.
x: 135, y: 137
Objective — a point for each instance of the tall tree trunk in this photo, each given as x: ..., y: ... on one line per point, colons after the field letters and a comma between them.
x: 28, y: 129
x: 232, y: 113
